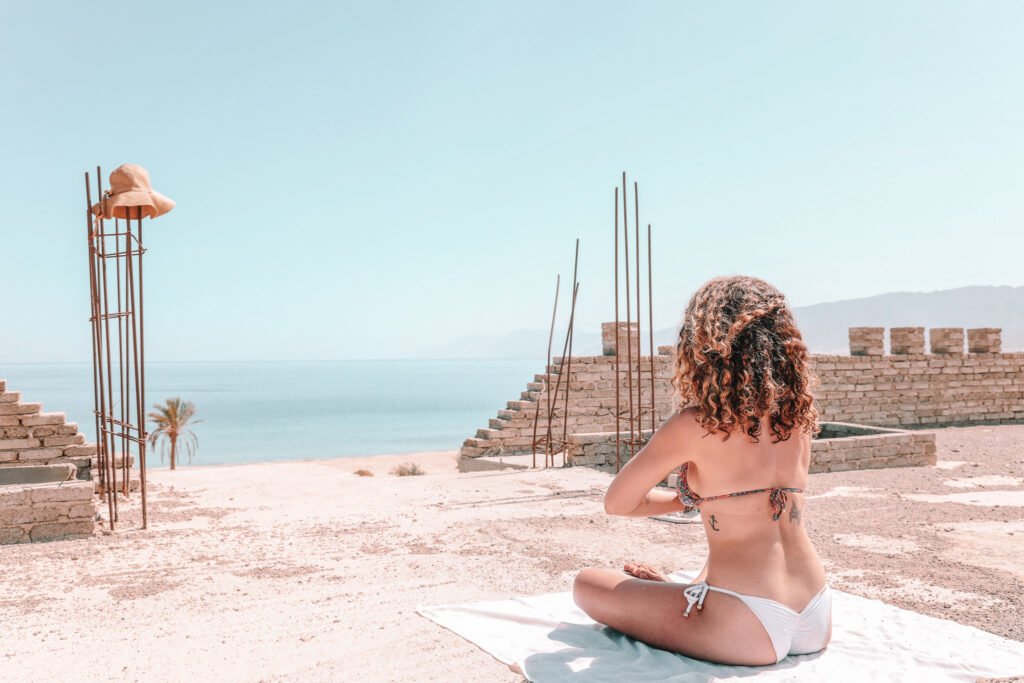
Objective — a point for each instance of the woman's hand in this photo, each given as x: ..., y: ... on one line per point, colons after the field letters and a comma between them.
x: 642, y: 570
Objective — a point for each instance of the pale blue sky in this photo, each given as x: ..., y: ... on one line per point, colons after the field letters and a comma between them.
x: 367, y: 180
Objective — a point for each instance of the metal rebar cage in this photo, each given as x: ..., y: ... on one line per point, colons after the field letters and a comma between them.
x: 118, y: 349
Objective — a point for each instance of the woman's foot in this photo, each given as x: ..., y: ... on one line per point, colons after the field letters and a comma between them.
x: 642, y: 570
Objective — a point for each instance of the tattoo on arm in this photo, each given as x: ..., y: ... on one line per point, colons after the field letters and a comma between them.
x: 714, y: 523
x: 794, y: 514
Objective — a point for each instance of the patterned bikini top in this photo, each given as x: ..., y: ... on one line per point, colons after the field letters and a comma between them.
x: 776, y: 496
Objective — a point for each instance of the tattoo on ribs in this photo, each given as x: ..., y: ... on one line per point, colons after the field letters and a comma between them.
x: 714, y: 523
x: 794, y: 514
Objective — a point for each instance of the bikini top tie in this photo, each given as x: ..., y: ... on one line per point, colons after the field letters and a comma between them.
x: 776, y: 495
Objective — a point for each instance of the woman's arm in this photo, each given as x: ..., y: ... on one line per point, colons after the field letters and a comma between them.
x: 632, y: 493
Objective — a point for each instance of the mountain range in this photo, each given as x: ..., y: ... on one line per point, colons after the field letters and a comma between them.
x: 824, y: 325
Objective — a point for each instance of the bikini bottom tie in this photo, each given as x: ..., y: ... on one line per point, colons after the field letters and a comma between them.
x: 695, y: 594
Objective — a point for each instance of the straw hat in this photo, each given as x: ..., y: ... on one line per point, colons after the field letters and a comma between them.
x: 130, y: 187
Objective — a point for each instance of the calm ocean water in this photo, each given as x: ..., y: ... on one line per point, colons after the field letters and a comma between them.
x: 298, y: 410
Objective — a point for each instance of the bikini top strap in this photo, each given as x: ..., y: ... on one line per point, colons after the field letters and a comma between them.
x: 776, y: 495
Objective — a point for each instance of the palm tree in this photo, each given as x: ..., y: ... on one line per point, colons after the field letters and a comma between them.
x: 172, y: 420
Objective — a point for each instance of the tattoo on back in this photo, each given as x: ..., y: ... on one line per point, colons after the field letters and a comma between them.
x: 794, y: 514
x: 714, y: 523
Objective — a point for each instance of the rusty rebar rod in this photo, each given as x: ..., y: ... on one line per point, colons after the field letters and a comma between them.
x: 567, y: 359
x: 565, y: 422
x: 639, y: 318
x: 551, y: 336
x: 122, y: 359
x: 618, y: 432
x: 562, y: 364
x: 102, y: 459
x: 650, y: 319
x: 111, y: 442
x: 103, y: 302
x: 629, y: 322
x: 93, y: 320
x: 141, y: 385
x: 134, y: 350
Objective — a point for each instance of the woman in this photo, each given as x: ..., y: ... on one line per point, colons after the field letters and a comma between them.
x: 741, y: 437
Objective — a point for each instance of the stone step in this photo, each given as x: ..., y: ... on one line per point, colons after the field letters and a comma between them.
x: 10, y: 397
x: 498, y: 423
x: 488, y: 433
x: 508, y: 414
x: 35, y: 418
x: 498, y: 462
x: 22, y: 409
x: 521, y: 405
x: 535, y: 386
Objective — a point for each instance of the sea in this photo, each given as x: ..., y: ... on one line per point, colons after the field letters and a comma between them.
x: 299, y: 410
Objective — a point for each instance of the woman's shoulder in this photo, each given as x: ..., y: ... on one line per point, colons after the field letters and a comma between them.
x: 685, y: 428
x: 686, y: 419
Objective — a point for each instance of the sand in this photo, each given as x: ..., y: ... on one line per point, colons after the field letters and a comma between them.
x: 304, y: 571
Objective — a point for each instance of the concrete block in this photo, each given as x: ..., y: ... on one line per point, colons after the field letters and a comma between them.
x: 866, y: 341
x: 906, y: 340
x: 43, y: 419
x: 59, y: 530
x: 20, y: 408
x: 946, y: 340
x: 72, y: 491
x: 612, y: 338
x: 80, y: 450
x: 984, y: 340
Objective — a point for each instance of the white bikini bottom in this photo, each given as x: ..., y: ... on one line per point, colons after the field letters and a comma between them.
x: 791, y: 632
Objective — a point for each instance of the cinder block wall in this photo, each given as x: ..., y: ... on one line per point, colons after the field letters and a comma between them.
x: 46, y: 512
x: 904, y: 390
x: 921, y: 390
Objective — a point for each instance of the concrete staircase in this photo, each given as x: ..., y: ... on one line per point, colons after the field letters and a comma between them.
x: 591, y: 407
x: 28, y: 436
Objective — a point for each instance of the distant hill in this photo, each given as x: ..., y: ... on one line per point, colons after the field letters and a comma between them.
x: 824, y: 325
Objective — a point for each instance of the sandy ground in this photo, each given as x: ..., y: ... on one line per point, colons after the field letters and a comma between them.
x: 306, y: 572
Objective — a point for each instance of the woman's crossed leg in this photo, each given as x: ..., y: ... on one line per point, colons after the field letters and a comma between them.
x: 651, y: 610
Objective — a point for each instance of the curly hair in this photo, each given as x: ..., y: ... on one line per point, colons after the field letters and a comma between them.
x: 739, y: 357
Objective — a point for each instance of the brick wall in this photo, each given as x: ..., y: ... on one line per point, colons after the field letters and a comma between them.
x: 921, y: 390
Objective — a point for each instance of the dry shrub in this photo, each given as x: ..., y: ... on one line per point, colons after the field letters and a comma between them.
x: 364, y: 473
x: 407, y: 469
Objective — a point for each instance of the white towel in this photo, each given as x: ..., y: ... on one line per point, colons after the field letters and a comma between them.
x: 549, y: 639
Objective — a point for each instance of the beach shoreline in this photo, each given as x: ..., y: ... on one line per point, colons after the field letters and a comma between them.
x: 433, y: 460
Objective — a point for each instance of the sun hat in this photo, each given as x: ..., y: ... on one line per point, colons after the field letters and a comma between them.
x: 130, y: 187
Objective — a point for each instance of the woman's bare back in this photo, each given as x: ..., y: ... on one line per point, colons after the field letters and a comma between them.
x: 748, y: 551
